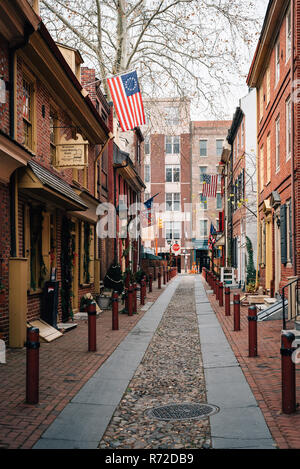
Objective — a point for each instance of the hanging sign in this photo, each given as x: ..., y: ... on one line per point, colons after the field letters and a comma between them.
x: 72, y: 153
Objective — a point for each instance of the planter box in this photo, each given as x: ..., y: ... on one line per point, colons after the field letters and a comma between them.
x: 104, y: 302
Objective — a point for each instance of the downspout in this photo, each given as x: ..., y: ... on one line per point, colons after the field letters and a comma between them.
x: 292, y: 145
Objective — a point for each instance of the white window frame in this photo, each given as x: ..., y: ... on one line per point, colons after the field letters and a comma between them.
x: 172, y: 143
x: 200, y: 167
x: 203, y: 203
x: 169, y: 226
x: 147, y: 145
x: 148, y: 167
x: 206, y: 141
x: 203, y: 235
x: 269, y: 166
x: 268, y: 80
x: 219, y: 140
x: 262, y: 168
x: 173, y: 201
x: 173, y: 167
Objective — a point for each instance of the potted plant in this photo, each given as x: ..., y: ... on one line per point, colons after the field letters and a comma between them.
x: 2, y: 293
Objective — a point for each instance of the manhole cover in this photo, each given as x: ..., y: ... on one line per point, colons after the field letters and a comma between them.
x: 183, y: 411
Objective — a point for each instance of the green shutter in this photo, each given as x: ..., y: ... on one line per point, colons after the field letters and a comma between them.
x: 283, y: 234
x: 291, y: 232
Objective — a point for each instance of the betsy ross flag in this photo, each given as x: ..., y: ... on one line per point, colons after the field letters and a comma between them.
x: 210, y: 183
x: 147, y: 216
x: 127, y: 98
x: 211, y: 239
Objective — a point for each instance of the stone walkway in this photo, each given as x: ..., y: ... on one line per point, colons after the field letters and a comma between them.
x: 170, y: 372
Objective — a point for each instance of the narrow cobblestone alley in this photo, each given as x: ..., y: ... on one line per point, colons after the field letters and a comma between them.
x: 170, y: 372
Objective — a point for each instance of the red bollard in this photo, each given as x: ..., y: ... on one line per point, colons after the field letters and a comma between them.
x: 130, y: 300
x: 159, y: 280
x: 227, y: 301
x: 288, y: 375
x: 221, y: 296
x: 217, y: 290
x: 142, y: 292
x: 135, y: 289
x: 145, y: 287
x: 236, y: 312
x: 115, y: 311
x: 32, y: 365
x: 164, y: 276
x: 91, y: 310
x: 252, y: 331
x: 150, y: 283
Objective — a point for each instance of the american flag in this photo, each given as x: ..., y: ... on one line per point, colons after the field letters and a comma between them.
x: 210, y: 183
x: 127, y: 98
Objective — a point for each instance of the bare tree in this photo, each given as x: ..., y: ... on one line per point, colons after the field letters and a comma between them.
x: 179, y: 47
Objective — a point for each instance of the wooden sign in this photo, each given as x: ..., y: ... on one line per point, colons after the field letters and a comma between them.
x: 72, y: 153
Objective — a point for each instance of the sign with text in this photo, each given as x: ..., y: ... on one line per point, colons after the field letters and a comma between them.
x: 72, y: 153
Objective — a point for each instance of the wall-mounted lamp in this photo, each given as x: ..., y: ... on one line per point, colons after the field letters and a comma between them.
x: 2, y: 91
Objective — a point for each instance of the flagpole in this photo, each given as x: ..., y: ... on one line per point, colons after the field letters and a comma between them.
x: 121, y: 73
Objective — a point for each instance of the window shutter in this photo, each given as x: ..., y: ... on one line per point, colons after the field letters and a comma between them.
x: 46, y: 240
x: 283, y: 234
x: 92, y: 254
x: 291, y: 233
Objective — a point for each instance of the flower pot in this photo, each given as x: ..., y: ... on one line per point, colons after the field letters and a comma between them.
x: 103, y: 302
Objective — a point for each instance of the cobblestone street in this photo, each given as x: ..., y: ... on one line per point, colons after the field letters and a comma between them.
x: 170, y: 372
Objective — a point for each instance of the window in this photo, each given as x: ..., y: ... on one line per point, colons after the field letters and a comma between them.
x: 268, y: 86
x: 261, y: 102
x: 53, y: 132
x: 173, y: 202
x: 147, y: 145
x: 28, y: 100
x: 288, y: 35
x: 219, y: 175
x: 203, y: 147
x: 203, y: 228
x: 203, y: 170
x: 219, y: 201
x: 268, y: 158
x: 262, y: 169
x: 87, y: 252
x: 243, y: 135
x: 203, y: 202
x: 277, y: 154
x: 173, y: 230
x: 173, y: 173
x: 138, y: 151
x: 219, y: 147
x: 172, y: 145
x: 237, y: 144
x: 277, y: 62
x: 146, y: 196
x: 288, y: 109
x: 147, y: 173
x: 172, y: 115
x: 286, y: 232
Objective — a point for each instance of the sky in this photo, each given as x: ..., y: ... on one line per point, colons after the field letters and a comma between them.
x: 230, y: 104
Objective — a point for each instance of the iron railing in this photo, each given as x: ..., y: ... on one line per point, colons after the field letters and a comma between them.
x: 293, y: 302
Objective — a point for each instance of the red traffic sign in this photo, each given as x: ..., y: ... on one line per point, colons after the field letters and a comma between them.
x: 176, y: 247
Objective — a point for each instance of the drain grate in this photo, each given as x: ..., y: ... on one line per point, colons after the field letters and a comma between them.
x: 183, y: 411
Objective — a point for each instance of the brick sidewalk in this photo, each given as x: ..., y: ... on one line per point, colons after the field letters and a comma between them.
x: 263, y: 373
x: 65, y: 366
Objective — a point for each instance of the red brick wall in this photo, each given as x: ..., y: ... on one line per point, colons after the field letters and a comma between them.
x: 4, y: 254
x: 4, y: 72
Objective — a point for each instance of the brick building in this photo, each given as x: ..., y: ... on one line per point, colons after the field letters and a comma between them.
x: 239, y: 173
x: 272, y: 74
x: 167, y: 173
x: 48, y: 211
x: 207, y: 139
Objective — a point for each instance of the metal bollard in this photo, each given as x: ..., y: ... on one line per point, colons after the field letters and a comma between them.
x: 32, y: 365
x: 150, y: 283
x: 227, y: 301
x: 236, y: 312
x: 159, y: 280
x: 91, y: 310
x: 130, y: 300
x: 288, y: 375
x: 142, y: 292
x: 135, y: 290
x: 115, y: 311
x: 217, y: 290
x: 221, y: 296
x: 252, y: 331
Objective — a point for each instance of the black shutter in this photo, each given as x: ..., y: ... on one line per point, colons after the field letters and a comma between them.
x: 291, y: 232
x: 283, y: 234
